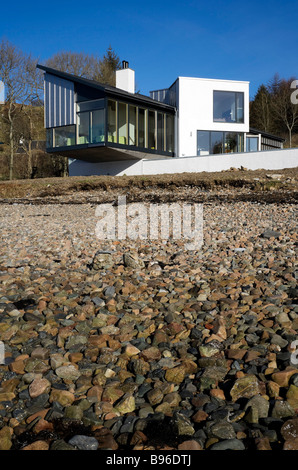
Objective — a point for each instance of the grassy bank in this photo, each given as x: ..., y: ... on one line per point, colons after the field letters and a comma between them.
x: 259, y: 180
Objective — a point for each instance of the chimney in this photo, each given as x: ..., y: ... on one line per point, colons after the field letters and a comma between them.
x: 125, y: 78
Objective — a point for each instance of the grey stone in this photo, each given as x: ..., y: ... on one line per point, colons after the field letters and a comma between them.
x: 84, y: 442
x: 228, y: 444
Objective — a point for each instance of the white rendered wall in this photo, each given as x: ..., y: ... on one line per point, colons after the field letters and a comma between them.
x: 195, y: 110
x: 268, y: 160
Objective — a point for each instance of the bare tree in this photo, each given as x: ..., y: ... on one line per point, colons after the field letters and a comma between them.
x: 76, y: 63
x: 18, y: 72
x: 284, y: 110
x: 86, y: 65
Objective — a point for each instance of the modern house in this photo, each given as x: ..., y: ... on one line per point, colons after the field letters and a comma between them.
x: 92, y: 122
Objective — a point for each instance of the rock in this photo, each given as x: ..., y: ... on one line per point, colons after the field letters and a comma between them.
x: 76, y: 341
x: 257, y: 407
x: 176, y: 375
x: 228, y: 444
x: 182, y: 425
x: 105, y: 439
x: 289, y: 429
x: 132, y: 261
x: 223, y: 430
x: 282, y: 377
x: 37, y: 445
x: 102, y: 260
x: 190, y: 445
x: 291, y: 444
x: 292, y: 396
x: 245, y: 387
x: 126, y: 405
x: 38, y: 387
x: 73, y: 412
x: 84, y: 442
x: 64, y: 397
x: 270, y: 234
x: 282, y: 409
x: 263, y: 443
x: 5, y: 438
x: 199, y: 416
x: 155, y: 396
x: 68, y: 372
x: 60, y: 444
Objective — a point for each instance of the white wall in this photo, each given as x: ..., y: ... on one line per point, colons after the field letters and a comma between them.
x: 195, y: 110
x: 268, y: 160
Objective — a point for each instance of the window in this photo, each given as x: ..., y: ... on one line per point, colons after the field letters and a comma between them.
x: 49, y: 138
x: 83, y: 128
x: 217, y: 142
x: 90, y: 105
x: 203, y: 139
x: 252, y: 144
x: 160, y: 132
x: 142, y: 141
x: 112, y: 120
x: 228, y: 106
x: 64, y: 136
x: 132, y: 125
x: 122, y: 124
x: 151, y: 130
x: 97, y: 126
x: 169, y: 133
x: 212, y: 142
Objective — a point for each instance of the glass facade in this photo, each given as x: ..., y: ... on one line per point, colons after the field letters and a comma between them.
x: 97, y: 129
x: 112, y: 121
x: 228, y: 106
x: 122, y: 124
x: 214, y: 142
x: 151, y: 130
x: 117, y: 122
x: 64, y: 136
x: 132, y: 125
x: 140, y: 127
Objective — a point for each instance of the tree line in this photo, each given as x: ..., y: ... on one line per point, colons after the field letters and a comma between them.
x: 274, y: 111
x: 22, y: 113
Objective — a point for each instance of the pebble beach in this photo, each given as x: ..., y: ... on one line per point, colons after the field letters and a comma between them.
x: 142, y: 344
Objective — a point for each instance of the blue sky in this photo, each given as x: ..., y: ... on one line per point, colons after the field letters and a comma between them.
x: 165, y: 39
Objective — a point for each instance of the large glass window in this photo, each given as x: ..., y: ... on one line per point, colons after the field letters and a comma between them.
x: 151, y: 130
x: 231, y: 142
x: 132, y: 125
x: 122, y: 123
x: 217, y: 142
x: 49, y: 138
x: 203, y: 142
x: 228, y: 106
x: 169, y: 133
x: 209, y: 142
x: 64, y: 136
x: 83, y: 128
x: 97, y: 126
x: 160, y: 132
x: 112, y: 120
x: 142, y: 128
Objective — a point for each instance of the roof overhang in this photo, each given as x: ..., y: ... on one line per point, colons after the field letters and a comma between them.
x: 89, y: 153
